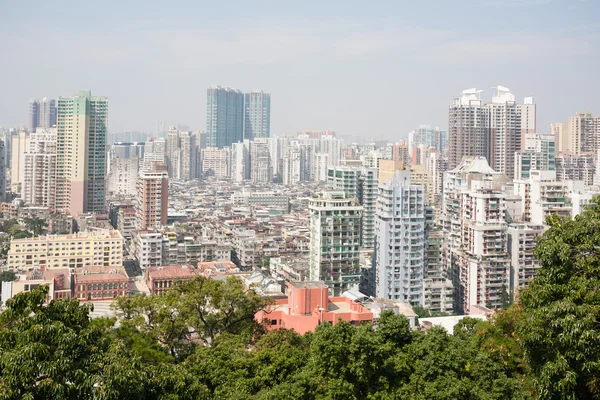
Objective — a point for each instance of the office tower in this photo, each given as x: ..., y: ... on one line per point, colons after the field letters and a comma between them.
x: 42, y: 113
x: 39, y: 169
x: 122, y: 178
x: 216, y: 162
x: 153, y: 198
x: 334, y: 241
x: 359, y: 184
x: 240, y: 161
x: 172, y: 154
x: 257, y: 115
x: 399, y: 258
x: 18, y: 144
x: 224, y: 116
x: 539, y: 153
x: 429, y: 137
x: 260, y: 162
x: 81, y: 153
x: 575, y: 168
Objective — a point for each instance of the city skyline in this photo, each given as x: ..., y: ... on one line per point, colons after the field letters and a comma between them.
x: 360, y: 49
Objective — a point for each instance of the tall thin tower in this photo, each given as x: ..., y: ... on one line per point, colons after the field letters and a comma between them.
x: 257, y: 115
x: 81, y: 153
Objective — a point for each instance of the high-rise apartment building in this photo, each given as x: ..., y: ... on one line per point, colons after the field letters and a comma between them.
x: 467, y: 128
x: 257, y: 115
x: 216, y: 162
x: 428, y: 136
x: 224, y: 116
x: 581, y: 134
x: 240, y: 161
x: 399, y: 258
x: 181, y: 155
x: 2, y: 171
x: 538, y: 154
x: 153, y: 198
x: 504, y: 131
x: 18, y: 144
x: 42, y: 113
x: 39, y: 169
x: 335, y: 241
x: 576, y: 168
x: 122, y: 178
x: 260, y: 162
x: 81, y: 153
x: 494, y: 130
x: 474, y: 227
x: 359, y: 184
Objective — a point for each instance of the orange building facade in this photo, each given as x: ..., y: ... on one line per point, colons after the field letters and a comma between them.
x: 308, y: 305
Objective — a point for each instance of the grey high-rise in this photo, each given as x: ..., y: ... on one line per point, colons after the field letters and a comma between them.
x: 257, y: 115
x: 224, y: 116
x: 42, y: 113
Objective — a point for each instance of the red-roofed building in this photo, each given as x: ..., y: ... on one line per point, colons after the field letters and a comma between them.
x: 100, y: 283
x: 160, y: 279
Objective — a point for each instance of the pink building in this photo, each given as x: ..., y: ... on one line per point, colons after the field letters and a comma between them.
x: 308, y: 304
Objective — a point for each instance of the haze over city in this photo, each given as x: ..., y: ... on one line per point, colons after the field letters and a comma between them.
x: 375, y: 70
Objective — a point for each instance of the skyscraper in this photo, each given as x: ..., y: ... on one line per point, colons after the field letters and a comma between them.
x: 224, y: 116
x: 81, y: 153
x: 42, y: 113
x: 257, y: 115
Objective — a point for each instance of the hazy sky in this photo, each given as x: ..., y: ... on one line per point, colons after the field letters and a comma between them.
x: 370, y: 68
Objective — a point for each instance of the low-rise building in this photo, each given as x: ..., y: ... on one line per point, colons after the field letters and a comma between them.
x: 308, y: 305
x: 102, y: 248
x: 160, y: 279
x: 100, y: 283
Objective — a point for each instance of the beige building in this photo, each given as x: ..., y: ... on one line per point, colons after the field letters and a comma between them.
x: 216, y: 162
x: 99, y: 248
x: 152, y: 198
x: 581, y: 134
x: 419, y: 175
x: 388, y: 168
x: 18, y: 147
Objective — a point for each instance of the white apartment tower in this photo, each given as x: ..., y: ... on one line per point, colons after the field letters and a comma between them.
x: 334, y: 255
x: 399, y: 259
x: 39, y: 171
x: 260, y: 162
